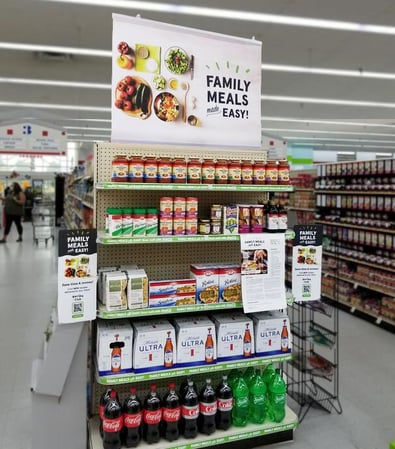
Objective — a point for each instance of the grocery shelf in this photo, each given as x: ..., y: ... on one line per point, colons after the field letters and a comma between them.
x: 359, y: 227
x: 374, y: 287
x: 304, y: 189
x: 355, y: 192
x: 188, y: 371
x: 106, y: 240
x: 84, y: 202
x: 301, y: 209
x: 232, y: 435
x: 359, y: 261
x: 156, y: 311
x: 194, y: 187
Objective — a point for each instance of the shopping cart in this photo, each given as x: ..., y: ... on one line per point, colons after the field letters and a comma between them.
x: 43, y: 221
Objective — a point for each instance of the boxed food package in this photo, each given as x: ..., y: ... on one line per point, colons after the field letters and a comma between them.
x: 230, y: 219
x: 137, y: 290
x: 115, y: 285
x: 172, y: 293
x: 196, y: 341
x: 272, y: 333
x: 229, y: 283
x: 114, y: 344
x: 235, y: 336
x: 154, y: 345
x: 207, y: 282
x: 100, y: 281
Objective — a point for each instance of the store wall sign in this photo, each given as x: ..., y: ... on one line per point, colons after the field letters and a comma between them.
x: 77, y: 270
x: 29, y: 138
x: 173, y: 84
x: 307, y: 262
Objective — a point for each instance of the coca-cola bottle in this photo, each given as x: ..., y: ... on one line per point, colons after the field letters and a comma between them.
x: 152, y: 415
x: 104, y: 399
x: 132, y: 418
x: 224, y: 404
x: 189, y: 411
x: 171, y: 414
x: 207, y: 408
x: 112, y: 423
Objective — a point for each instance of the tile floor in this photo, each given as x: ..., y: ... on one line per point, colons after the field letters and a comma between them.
x: 28, y: 291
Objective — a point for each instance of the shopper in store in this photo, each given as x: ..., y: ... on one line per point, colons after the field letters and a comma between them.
x: 14, y: 203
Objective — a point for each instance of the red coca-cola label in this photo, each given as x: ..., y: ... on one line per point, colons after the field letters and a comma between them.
x: 171, y: 414
x: 152, y: 416
x: 190, y: 412
x: 132, y: 421
x: 208, y: 408
x: 225, y: 405
x: 101, y: 411
x: 112, y: 425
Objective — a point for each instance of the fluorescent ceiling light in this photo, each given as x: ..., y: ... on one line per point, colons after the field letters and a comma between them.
x: 102, y: 136
x: 328, y: 101
x: 55, y: 83
x: 88, y: 140
x: 55, y: 49
x: 85, y: 128
x: 328, y: 71
x: 334, y: 139
x: 323, y: 131
x: 307, y: 121
x: 337, y: 145
x: 64, y: 107
x: 235, y: 15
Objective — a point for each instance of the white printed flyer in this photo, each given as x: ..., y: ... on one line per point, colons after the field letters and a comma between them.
x: 307, y: 263
x: 263, y: 272
x: 172, y: 84
x: 77, y: 275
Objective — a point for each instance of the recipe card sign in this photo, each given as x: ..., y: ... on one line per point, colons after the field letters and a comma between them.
x: 307, y: 262
x: 179, y: 85
x: 262, y: 272
x: 77, y: 274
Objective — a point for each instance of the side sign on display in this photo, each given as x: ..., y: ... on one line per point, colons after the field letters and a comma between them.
x: 77, y: 274
x: 307, y: 263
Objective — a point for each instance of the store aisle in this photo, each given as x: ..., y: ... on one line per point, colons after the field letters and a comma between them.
x: 28, y: 290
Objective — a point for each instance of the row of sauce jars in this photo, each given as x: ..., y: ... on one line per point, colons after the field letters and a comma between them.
x: 198, y: 171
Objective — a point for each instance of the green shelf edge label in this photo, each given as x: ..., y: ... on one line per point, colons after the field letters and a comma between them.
x: 178, y: 372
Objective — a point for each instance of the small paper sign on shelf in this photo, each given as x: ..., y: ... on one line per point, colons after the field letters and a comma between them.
x: 307, y: 262
x: 263, y: 272
x: 77, y: 275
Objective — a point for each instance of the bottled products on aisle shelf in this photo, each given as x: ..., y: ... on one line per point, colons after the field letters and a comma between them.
x: 241, y: 403
x: 104, y: 399
x: 132, y: 419
x: 249, y: 376
x: 112, y: 423
x: 277, y: 397
x: 207, y: 408
x: 152, y: 416
x: 171, y: 414
x: 189, y: 411
x: 233, y: 377
x: 257, y: 400
x: 268, y: 374
x: 224, y: 404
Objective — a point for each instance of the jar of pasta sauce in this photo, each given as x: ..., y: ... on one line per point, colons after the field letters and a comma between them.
x: 234, y: 172
x: 246, y: 172
x: 150, y: 170
x: 136, y: 169
x: 208, y: 171
x: 179, y: 173
x: 221, y: 171
x: 194, y: 171
x: 283, y: 173
x: 165, y: 170
x: 120, y: 169
x: 259, y: 172
x: 271, y: 175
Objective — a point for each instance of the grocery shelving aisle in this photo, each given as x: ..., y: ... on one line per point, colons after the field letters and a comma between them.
x: 27, y: 292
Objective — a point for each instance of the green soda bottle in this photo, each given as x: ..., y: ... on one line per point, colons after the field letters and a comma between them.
x: 240, y: 403
x: 258, y: 400
x: 268, y: 374
x: 233, y: 377
x: 277, y: 397
x: 249, y: 376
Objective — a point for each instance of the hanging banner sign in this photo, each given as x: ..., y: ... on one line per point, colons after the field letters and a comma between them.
x: 77, y: 269
x: 307, y: 262
x: 262, y: 272
x: 172, y: 84
x: 34, y: 139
